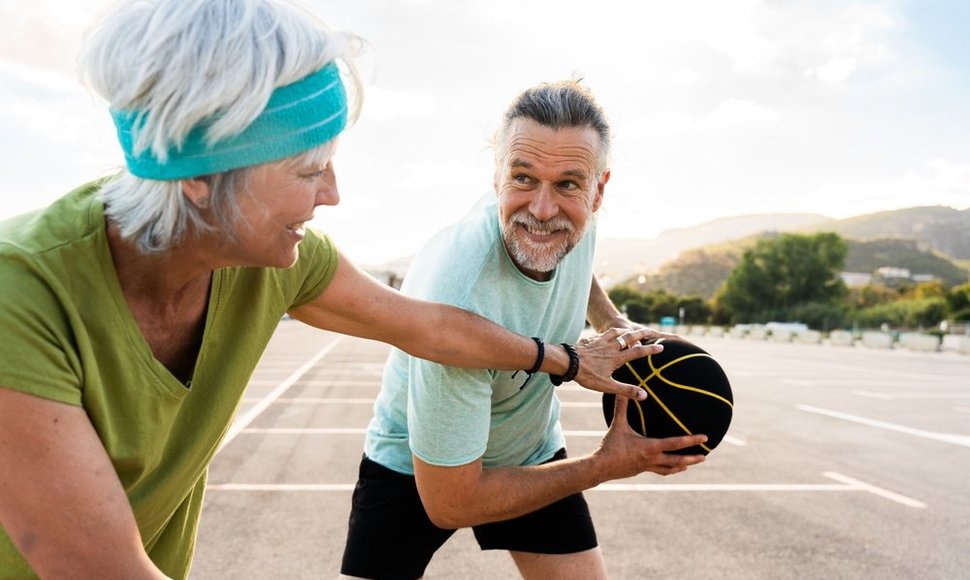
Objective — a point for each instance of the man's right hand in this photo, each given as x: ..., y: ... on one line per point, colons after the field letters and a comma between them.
x: 624, y: 453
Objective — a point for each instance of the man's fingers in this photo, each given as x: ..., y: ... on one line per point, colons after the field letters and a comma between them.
x: 628, y: 391
x: 668, y: 444
x: 640, y: 351
x: 619, y: 410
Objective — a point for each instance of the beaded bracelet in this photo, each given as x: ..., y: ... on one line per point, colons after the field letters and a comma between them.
x: 573, y: 369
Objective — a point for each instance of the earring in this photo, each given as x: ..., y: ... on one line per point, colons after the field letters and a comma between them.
x: 202, y: 202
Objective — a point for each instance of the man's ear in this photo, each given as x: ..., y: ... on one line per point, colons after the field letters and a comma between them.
x: 600, y: 187
x: 197, y: 190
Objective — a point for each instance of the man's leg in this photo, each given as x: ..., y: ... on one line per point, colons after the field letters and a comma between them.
x: 557, y: 541
x: 587, y: 565
x: 389, y: 536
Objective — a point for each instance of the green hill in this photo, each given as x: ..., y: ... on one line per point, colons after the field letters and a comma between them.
x: 940, y: 228
x: 702, y: 271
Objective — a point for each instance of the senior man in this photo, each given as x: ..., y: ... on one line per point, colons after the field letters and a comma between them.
x: 451, y: 448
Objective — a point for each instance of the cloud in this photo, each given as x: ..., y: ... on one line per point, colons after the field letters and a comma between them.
x: 384, y: 104
x: 940, y: 182
x: 739, y: 111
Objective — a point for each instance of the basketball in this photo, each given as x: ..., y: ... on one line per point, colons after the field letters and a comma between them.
x: 688, y: 393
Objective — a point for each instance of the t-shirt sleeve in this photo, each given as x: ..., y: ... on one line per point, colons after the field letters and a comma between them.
x: 448, y: 412
x: 316, y: 265
x: 37, y: 349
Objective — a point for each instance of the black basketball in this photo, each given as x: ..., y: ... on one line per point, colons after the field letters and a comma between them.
x: 688, y: 393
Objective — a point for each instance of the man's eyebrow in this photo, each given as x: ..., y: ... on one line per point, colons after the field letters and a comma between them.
x: 519, y: 162
x: 575, y: 173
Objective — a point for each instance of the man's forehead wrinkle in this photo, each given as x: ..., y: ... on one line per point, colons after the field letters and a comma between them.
x: 526, y: 156
x: 537, y: 146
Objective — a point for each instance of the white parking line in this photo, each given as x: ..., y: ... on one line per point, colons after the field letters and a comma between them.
x: 952, y: 438
x: 890, y: 396
x: 314, y: 400
x: 861, y: 485
x: 846, y: 484
x: 242, y: 421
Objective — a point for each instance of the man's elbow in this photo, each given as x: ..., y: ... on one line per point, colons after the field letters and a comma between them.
x: 446, y: 517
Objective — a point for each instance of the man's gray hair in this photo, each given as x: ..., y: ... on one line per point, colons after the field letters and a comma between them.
x: 559, y: 105
x: 182, y: 62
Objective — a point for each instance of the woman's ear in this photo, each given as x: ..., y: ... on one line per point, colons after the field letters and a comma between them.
x: 197, y: 190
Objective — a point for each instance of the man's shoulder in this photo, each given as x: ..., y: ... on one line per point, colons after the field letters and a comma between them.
x: 453, y: 260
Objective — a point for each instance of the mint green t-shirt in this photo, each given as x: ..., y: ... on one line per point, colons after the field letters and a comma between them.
x: 448, y: 416
x: 66, y: 334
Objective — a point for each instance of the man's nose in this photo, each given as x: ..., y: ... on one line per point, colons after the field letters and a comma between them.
x: 543, y: 205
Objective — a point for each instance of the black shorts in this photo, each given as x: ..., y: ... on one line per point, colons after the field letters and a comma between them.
x: 390, y: 535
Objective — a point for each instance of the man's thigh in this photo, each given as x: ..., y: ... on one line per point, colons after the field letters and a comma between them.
x: 587, y: 565
x: 563, y: 527
x: 389, y: 533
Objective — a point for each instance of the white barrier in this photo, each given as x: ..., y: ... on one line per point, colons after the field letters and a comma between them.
x: 841, y: 338
x: 876, y: 339
x: 809, y: 337
x: 956, y: 342
x: 781, y: 335
x: 738, y: 331
x: 918, y: 341
x: 757, y: 333
x: 696, y: 330
x: 715, y: 331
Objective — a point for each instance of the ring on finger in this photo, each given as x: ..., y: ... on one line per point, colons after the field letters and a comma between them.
x: 622, y: 342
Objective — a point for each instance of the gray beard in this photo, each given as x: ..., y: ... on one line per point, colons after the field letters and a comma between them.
x: 537, y: 258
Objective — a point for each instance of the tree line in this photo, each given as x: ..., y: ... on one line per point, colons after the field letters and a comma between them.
x: 797, y: 278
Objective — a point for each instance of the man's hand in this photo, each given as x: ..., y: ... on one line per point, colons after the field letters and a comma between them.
x: 624, y: 453
x: 600, y: 355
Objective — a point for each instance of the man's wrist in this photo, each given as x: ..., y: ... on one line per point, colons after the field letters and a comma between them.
x: 573, y: 369
x: 556, y: 361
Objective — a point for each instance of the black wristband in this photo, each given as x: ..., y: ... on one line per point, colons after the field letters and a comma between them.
x: 573, y: 369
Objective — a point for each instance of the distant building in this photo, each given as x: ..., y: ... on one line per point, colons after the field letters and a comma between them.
x: 892, y: 272
x: 855, y: 279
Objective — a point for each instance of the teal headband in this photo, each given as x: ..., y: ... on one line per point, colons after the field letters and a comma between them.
x: 298, y: 117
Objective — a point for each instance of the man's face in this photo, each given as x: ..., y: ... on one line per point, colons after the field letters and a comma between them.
x: 548, y: 189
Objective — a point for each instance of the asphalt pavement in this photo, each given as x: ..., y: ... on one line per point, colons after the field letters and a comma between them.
x: 841, y: 463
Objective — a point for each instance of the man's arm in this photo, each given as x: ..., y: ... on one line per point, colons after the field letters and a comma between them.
x: 356, y: 304
x: 61, y: 501
x: 468, y: 495
x: 601, y: 313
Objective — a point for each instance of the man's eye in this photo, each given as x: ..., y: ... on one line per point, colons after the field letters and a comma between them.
x: 521, y: 178
x: 569, y: 185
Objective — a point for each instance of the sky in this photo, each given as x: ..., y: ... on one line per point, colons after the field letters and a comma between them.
x: 719, y: 107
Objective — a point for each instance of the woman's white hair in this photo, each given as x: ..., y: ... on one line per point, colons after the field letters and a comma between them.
x: 181, y: 62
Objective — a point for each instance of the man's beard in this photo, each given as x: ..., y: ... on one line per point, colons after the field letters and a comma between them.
x: 538, y: 257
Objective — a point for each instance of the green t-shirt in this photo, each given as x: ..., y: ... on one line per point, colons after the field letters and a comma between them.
x: 66, y: 334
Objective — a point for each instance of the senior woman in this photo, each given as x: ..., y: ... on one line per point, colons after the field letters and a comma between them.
x: 136, y: 307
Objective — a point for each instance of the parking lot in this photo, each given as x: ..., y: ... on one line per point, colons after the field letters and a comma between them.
x: 841, y: 462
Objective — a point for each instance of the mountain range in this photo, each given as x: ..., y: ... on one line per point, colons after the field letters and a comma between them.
x: 931, y: 239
